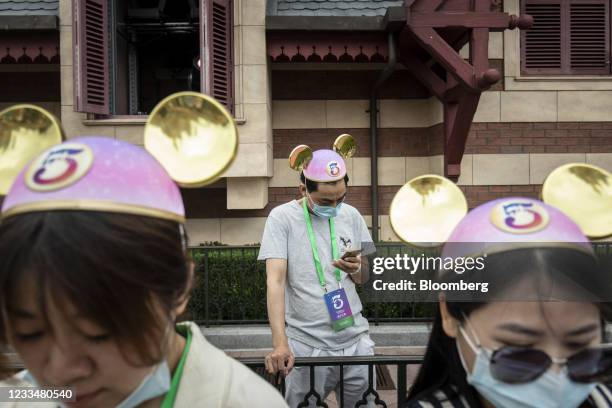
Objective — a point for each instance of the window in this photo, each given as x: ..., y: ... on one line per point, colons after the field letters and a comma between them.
x: 568, y: 37
x: 130, y: 54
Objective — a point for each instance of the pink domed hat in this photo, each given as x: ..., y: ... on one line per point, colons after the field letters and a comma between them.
x: 431, y: 210
x: 190, y: 140
x: 511, y: 223
x: 96, y: 174
x: 325, y: 166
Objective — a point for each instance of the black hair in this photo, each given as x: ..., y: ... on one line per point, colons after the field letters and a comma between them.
x: 312, y: 186
x: 442, y: 367
x: 117, y: 269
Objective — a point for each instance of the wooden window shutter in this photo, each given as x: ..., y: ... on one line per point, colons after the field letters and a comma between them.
x: 216, y: 43
x: 589, y: 37
x: 91, y: 56
x: 569, y: 37
x: 542, y: 45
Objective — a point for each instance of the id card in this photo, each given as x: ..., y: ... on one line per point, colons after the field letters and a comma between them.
x: 339, y: 309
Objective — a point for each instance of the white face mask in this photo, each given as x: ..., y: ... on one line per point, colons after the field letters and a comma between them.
x: 153, y: 385
x: 550, y: 390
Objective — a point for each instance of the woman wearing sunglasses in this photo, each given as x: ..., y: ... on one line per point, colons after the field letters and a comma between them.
x: 514, y: 347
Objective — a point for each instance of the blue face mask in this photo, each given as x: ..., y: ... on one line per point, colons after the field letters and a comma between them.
x: 324, y: 211
x: 550, y: 390
x: 153, y: 385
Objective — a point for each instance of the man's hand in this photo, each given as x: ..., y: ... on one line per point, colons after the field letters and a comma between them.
x: 356, y: 267
x: 349, y: 265
x: 280, y: 359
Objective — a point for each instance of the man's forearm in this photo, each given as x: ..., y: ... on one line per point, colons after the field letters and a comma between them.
x: 276, y: 314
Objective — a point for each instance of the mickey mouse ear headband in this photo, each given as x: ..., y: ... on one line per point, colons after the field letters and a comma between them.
x: 323, y: 165
x: 584, y: 193
x: 431, y: 210
x: 345, y: 146
x: 193, y: 136
x: 191, y: 139
x: 425, y: 210
x: 25, y: 131
x: 299, y: 157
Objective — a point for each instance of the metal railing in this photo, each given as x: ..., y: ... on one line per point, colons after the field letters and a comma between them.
x: 230, y: 287
x: 11, y: 364
x: 400, y: 362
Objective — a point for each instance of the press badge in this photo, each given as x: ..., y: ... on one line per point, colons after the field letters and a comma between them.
x: 339, y: 309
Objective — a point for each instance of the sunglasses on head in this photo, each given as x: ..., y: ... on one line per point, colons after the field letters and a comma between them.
x: 515, y: 365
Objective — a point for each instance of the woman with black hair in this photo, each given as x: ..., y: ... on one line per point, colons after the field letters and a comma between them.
x: 536, y: 338
x: 95, y: 272
x: 472, y: 337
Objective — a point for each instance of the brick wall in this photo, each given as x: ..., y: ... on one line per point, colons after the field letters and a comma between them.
x: 392, y: 142
x: 484, y: 138
x: 210, y: 203
x: 556, y: 137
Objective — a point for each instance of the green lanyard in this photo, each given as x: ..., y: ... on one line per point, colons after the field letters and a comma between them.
x: 315, y: 252
x: 176, y: 378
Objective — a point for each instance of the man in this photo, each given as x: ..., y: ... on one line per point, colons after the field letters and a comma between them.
x: 311, y: 297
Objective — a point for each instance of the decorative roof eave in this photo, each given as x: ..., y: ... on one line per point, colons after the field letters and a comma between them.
x: 332, y: 39
x: 28, y: 22
x: 32, y: 48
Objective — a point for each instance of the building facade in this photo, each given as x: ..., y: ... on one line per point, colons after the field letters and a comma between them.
x: 496, y: 117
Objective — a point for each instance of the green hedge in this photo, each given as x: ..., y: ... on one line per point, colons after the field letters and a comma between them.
x: 237, y: 289
x: 236, y: 285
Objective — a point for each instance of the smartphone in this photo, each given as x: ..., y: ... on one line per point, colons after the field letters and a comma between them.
x: 350, y: 253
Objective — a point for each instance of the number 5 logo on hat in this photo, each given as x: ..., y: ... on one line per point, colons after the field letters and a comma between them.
x: 333, y: 168
x: 59, y: 167
x: 519, y: 217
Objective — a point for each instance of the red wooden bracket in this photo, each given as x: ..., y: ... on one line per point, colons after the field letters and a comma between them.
x: 468, y: 19
x: 426, y: 5
x: 458, y: 118
x: 423, y: 73
x: 465, y: 81
x: 446, y: 56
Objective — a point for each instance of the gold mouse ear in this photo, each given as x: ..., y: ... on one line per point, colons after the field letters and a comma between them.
x: 25, y: 132
x: 425, y: 210
x: 193, y: 136
x: 345, y: 146
x: 584, y: 193
x: 300, y: 157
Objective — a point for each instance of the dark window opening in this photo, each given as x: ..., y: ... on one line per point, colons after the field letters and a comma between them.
x: 133, y: 53
x: 157, y: 53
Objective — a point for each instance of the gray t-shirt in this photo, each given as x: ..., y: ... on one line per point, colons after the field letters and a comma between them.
x: 285, y: 237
